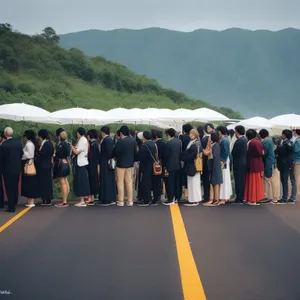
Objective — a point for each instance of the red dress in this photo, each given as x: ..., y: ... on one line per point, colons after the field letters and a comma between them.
x: 254, y: 185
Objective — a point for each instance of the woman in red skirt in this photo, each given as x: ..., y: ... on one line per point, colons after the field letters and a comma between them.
x: 254, y: 186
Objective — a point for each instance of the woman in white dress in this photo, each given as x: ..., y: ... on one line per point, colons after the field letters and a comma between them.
x: 193, y: 177
x: 226, y: 187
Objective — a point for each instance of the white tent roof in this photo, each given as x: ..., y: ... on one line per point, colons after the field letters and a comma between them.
x: 206, y: 114
x: 291, y: 121
x: 25, y: 112
x: 253, y: 123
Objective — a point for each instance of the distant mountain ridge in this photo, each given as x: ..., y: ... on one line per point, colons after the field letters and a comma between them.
x: 256, y: 72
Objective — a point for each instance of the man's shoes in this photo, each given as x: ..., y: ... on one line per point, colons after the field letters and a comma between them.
x: 265, y: 201
x: 143, y: 204
x: 168, y: 203
x: 237, y: 202
x: 282, y: 201
x: 291, y: 201
x: 9, y: 210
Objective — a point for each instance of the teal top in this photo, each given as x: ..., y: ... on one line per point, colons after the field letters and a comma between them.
x: 297, y: 151
x: 269, y: 156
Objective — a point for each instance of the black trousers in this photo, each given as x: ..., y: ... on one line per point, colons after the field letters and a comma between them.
x: 173, y: 186
x: 157, y: 188
x: 11, y: 185
x: 284, y: 177
x: 146, y: 186
x: 239, y: 180
x: 206, y: 184
x: 1, y: 193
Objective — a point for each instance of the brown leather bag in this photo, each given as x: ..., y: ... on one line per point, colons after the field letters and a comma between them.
x: 29, y: 168
x: 157, y: 168
x: 198, y: 160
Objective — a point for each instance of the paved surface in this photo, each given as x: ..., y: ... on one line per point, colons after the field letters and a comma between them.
x: 242, y: 253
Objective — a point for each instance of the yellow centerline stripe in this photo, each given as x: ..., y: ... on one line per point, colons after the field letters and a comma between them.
x: 190, y: 279
x: 14, y: 219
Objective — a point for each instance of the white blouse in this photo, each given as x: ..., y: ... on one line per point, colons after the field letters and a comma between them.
x: 83, y: 147
x: 28, y: 151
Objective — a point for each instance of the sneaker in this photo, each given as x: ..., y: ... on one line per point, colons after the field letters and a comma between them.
x: 274, y: 202
x: 61, y: 204
x: 30, y: 205
x: 46, y: 204
x: 143, y: 204
x: 120, y: 203
x: 90, y: 203
x: 238, y: 202
x: 154, y: 204
x: 111, y: 203
x: 191, y: 204
x: 282, y: 201
x: 129, y: 203
x: 291, y: 201
x: 102, y: 204
x: 168, y: 203
x: 80, y: 204
x: 265, y: 201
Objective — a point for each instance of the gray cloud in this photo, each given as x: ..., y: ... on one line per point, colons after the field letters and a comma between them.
x: 31, y: 16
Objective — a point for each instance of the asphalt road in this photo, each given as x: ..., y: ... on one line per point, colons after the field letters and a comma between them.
x: 241, y: 253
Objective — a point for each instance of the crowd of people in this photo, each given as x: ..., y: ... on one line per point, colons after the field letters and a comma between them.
x: 191, y: 168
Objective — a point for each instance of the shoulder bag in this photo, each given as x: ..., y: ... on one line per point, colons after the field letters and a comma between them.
x: 29, y: 168
x: 198, y: 159
x: 157, y: 169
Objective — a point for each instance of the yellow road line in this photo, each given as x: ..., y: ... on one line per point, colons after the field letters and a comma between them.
x: 190, y: 279
x: 14, y: 219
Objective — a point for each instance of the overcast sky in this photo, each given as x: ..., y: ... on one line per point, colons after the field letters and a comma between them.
x: 31, y: 16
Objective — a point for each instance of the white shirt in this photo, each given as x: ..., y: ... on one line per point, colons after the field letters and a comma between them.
x: 42, y: 144
x: 83, y: 147
x: 28, y: 151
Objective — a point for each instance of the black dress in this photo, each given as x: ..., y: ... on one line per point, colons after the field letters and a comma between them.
x: 107, y: 190
x: 29, y: 184
x: 214, y: 166
x: 93, y: 167
x: 44, y: 171
x: 63, y: 150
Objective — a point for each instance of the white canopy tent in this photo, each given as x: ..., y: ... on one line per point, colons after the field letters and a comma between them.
x: 291, y: 121
x: 25, y: 112
x: 253, y: 123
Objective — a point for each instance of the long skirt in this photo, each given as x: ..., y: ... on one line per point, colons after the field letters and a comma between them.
x: 81, y: 182
x: 45, y: 183
x: 254, y: 188
x: 194, y: 188
x: 226, y: 186
x: 93, y: 179
x: 29, y: 186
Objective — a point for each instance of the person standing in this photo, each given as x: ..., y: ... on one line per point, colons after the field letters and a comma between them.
x: 254, y: 186
x: 226, y: 186
x: 193, y: 177
x: 295, y: 174
x: 29, y: 182
x: 158, y: 179
x: 2, y: 139
x: 239, y: 156
x: 107, y: 188
x: 80, y: 163
x: 11, y: 156
x: 93, y: 158
x: 147, y: 155
x: 284, y: 153
x: 125, y: 152
x: 44, y: 160
x: 173, y: 165
x: 61, y: 169
x: 207, y: 130
x: 271, y: 173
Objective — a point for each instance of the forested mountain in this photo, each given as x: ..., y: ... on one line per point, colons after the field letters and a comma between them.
x: 255, y: 72
x: 35, y: 70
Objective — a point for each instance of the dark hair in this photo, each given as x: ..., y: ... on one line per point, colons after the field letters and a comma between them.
x: 288, y: 134
x: 200, y: 131
x: 2, y: 135
x: 159, y: 134
x: 251, y: 134
x: 263, y: 133
x: 58, y: 131
x: 231, y: 132
x: 132, y: 133
x: 106, y: 130
x: 240, y: 129
x: 297, y: 131
x: 214, y: 137
x: 222, y: 129
x: 186, y: 128
x: 93, y: 134
x: 171, y: 132
x: 208, y: 125
x: 147, y: 135
x: 81, y: 131
x: 43, y: 133
x: 154, y: 134
x: 30, y: 135
x: 124, y: 130
x: 117, y: 134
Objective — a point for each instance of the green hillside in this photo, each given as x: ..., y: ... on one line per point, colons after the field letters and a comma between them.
x: 254, y: 72
x: 35, y: 70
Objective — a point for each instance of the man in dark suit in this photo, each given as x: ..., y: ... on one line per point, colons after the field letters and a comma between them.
x: 157, y: 180
x: 10, y: 156
x: 172, y: 161
x: 208, y: 129
x: 146, y: 156
x: 125, y: 152
x: 239, y: 156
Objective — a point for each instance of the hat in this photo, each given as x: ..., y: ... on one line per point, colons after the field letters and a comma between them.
x: 140, y: 135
